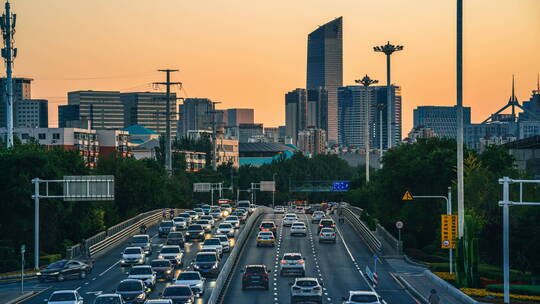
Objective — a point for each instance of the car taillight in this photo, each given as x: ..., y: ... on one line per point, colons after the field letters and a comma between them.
x: 301, y: 262
x: 320, y: 225
x: 317, y: 288
x: 333, y: 234
x: 283, y: 262
x: 321, y: 234
x: 332, y: 225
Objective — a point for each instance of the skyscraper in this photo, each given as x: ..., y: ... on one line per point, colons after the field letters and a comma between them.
x: 148, y: 109
x: 295, y: 113
x: 325, y: 67
x: 442, y: 120
x: 32, y: 113
x: 21, y: 90
x: 317, y: 105
x: 195, y: 114
x: 235, y: 117
x: 103, y: 109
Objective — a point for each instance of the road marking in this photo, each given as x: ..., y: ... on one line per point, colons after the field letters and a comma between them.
x: 77, y: 289
x: 106, y: 270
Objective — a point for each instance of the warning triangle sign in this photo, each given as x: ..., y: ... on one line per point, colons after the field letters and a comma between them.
x: 407, y: 196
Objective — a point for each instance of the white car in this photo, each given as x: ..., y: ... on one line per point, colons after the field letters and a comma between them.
x: 206, y: 225
x: 180, y: 223
x: 279, y: 210
x: 186, y: 216
x: 293, y: 263
x: 209, y: 218
x: 200, y: 212
x: 213, y: 243
x: 216, y: 213
x: 159, y: 301
x: 227, y: 208
x: 172, y: 253
x: 109, y: 298
x: 132, y: 256
x: 306, y: 289
x: 233, y: 220
x: 226, y: 228
x: 327, y: 235
x: 289, y: 219
x: 65, y: 297
x: 143, y: 273
x: 299, y: 228
x: 193, y: 279
x: 363, y: 297
x: 224, y: 242
x: 317, y: 216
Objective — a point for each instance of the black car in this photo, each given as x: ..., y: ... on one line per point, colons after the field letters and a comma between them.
x: 326, y: 223
x: 195, y: 232
x: 132, y: 291
x: 207, y: 263
x: 63, y: 269
x: 175, y: 238
x: 255, y: 276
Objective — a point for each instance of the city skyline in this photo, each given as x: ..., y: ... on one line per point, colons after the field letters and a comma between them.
x: 127, y: 58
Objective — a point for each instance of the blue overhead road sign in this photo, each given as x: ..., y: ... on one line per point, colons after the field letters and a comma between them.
x: 340, y: 186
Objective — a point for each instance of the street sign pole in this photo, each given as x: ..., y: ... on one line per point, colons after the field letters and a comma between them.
x: 23, y: 250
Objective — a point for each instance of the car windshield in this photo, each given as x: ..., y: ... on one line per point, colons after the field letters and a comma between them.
x: 232, y: 218
x: 246, y: 205
x: 59, y: 264
x: 177, y: 291
x: 292, y: 257
x: 107, y: 300
x: 140, y: 270
x: 139, y: 239
x: 198, y: 209
x: 175, y: 235
x: 267, y: 225
x: 64, y: 296
x: 255, y: 269
x: 226, y: 206
x: 212, y: 242
x: 170, y: 250
x: 178, y: 219
x: 195, y: 228
x: 163, y: 263
x: 306, y: 283
x: 206, y: 258
x: 132, y: 251
x: 130, y: 286
x: 188, y: 276
x: 326, y: 222
x: 207, y: 217
x: 299, y: 224
x: 166, y: 224
x: 223, y: 238
x: 203, y: 222
x: 290, y: 216
x: 327, y: 230
x: 215, y: 209
x: 225, y: 226
x: 364, y: 298
x: 184, y: 215
x: 266, y: 234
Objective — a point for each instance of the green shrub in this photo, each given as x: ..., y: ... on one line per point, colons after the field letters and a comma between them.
x: 50, y: 258
x: 528, y: 290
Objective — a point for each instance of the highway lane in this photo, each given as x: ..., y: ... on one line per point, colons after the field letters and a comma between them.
x: 108, y: 273
x: 330, y: 263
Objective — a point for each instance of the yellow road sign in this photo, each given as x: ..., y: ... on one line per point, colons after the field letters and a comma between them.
x: 407, y: 196
x: 449, y: 223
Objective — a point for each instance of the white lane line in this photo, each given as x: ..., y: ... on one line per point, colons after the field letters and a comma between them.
x: 345, y: 244
x: 77, y: 289
x: 106, y: 270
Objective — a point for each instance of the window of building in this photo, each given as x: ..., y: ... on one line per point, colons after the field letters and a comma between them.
x: 56, y: 136
x: 24, y: 136
x: 42, y: 136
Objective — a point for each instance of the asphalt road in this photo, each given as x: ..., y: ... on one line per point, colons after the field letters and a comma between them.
x: 108, y: 273
x: 338, y: 266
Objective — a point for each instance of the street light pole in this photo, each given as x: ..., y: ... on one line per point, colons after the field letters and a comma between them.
x: 274, y: 191
x: 381, y: 109
x: 459, y: 97
x: 366, y: 82
x: 388, y: 49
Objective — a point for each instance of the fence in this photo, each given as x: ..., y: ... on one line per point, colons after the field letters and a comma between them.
x: 371, y: 240
x: 388, y: 237
x: 228, y: 269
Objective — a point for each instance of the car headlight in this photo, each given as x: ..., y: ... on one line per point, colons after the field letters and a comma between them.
x: 141, y: 296
x: 160, y: 257
x: 214, y: 266
x: 196, y: 266
x: 141, y: 260
x: 168, y: 271
x: 200, y: 284
x: 38, y: 273
x: 55, y: 273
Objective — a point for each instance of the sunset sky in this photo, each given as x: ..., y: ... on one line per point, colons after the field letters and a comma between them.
x: 250, y: 53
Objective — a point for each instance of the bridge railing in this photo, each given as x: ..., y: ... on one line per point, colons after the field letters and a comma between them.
x: 351, y: 214
x: 228, y: 268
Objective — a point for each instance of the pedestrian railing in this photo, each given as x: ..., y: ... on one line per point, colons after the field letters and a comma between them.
x: 369, y: 237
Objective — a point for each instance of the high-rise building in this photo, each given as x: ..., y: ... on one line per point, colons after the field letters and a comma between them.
x: 32, y: 113
x: 442, y: 120
x: 103, y: 109
x: 247, y: 131
x: 67, y: 113
x: 352, y: 116
x: 235, y: 117
x: 195, y: 114
x: 325, y: 67
x: 312, y: 141
x: 148, y: 109
x: 21, y: 90
x: 295, y: 112
x: 317, y: 106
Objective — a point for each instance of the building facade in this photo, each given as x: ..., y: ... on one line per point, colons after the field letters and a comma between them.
x: 295, y: 113
x: 325, y: 67
x: 21, y: 90
x: 33, y: 113
x: 103, y: 109
x: 227, y: 152
x: 317, y: 108
x: 272, y: 134
x: 67, y: 113
x: 149, y: 109
x: 442, y: 120
x: 248, y: 130
x: 235, y: 117
x: 113, y: 141
x: 312, y: 141
x: 195, y: 114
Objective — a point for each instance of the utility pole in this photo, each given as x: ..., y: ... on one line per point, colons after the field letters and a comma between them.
x: 459, y: 97
x: 168, y: 148
x: 388, y: 49
x: 7, y: 25
x: 366, y: 82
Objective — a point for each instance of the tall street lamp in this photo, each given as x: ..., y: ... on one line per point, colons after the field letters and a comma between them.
x: 388, y: 49
x: 380, y: 106
x: 366, y: 82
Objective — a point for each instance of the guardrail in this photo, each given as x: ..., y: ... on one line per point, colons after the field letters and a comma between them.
x: 388, y: 237
x: 371, y: 240
x: 99, y: 242
x: 227, y: 269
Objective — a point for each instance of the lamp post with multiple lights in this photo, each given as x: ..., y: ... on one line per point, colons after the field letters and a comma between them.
x: 366, y: 82
x: 388, y: 49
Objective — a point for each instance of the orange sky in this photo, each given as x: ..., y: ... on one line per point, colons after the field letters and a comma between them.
x: 250, y: 53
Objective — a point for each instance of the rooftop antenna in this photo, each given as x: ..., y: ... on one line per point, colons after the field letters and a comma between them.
x: 7, y: 25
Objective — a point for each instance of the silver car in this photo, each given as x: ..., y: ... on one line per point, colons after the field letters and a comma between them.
x: 327, y: 235
x: 293, y: 263
x: 306, y: 290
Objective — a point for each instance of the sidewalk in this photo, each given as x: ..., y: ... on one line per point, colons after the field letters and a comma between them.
x: 14, y: 296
